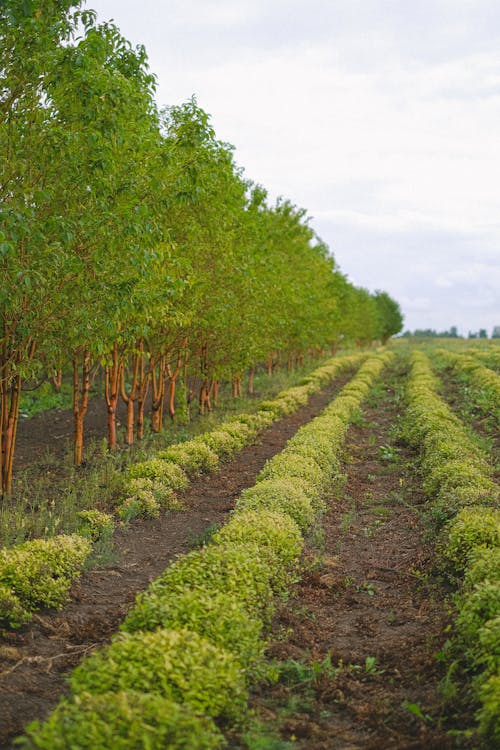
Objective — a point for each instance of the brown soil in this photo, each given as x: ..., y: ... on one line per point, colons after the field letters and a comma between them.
x: 373, y: 610
x: 35, y: 661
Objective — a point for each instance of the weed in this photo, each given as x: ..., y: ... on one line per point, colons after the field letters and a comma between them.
x: 414, y: 708
x: 389, y: 453
x: 197, y: 539
x: 366, y: 588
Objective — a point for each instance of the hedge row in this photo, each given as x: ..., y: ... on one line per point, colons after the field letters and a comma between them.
x: 180, y: 669
x: 152, y: 484
x: 40, y: 573
x: 484, y: 382
x: 457, y: 478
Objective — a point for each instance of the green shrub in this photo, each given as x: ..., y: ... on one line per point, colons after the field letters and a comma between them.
x: 269, y: 529
x: 475, y: 609
x: 40, y: 572
x: 95, y: 525
x: 142, y: 505
x: 194, y: 456
x: 146, y: 497
x: 178, y: 665
x: 217, y: 616
x: 123, y: 721
x: 489, y: 713
x: 221, y: 442
x: 281, y: 495
x: 12, y: 612
x: 489, y: 645
x: 293, y: 465
x: 472, y: 528
x: 235, y: 569
x: 168, y: 473
x: 483, y: 565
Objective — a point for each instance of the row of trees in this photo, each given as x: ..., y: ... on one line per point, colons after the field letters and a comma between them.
x: 130, y: 239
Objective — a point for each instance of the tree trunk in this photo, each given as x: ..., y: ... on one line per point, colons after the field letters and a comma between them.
x: 236, y: 386
x: 111, y: 391
x: 269, y: 364
x: 9, y: 394
x: 144, y: 379
x: 158, y: 395
x: 80, y: 403
x: 173, y: 376
x: 131, y: 397
x: 56, y: 379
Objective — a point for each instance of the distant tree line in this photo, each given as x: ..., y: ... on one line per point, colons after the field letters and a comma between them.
x: 452, y: 333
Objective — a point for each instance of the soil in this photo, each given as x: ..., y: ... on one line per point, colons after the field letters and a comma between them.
x: 370, y: 618
x: 35, y: 661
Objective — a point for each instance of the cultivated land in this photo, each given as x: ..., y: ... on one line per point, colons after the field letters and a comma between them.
x: 365, y: 649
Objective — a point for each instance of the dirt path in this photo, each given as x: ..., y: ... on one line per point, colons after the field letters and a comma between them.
x: 361, y: 668
x: 34, y: 662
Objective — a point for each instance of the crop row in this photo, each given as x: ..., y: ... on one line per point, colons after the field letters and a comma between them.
x: 39, y: 573
x: 193, y: 643
x: 484, y: 382
x: 457, y: 478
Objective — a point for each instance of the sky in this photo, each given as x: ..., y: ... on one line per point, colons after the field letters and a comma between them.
x: 380, y: 117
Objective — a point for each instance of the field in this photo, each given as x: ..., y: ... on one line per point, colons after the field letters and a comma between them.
x: 320, y: 572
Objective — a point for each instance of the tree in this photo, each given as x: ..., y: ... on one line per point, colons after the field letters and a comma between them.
x: 391, y: 319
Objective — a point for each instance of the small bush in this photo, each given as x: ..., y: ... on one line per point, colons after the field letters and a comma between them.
x: 293, y: 465
x: 221, y: 442
x: 489, y: 645
x: 281, y: 495
x: 475, y: 609
x: 178, y: 665
x: 489, y: 713
x: 122, y: 721
x: 235, y: 569
x: 194, y: 456
x: 483, y: 565
x: 272, y: 530
x: 40, y: 572
x: 12, y: 612
x: 95, y: 525
x: 168, y: 473
x: 216, y: 616
x: 142, y: 505
x: 472, y: 528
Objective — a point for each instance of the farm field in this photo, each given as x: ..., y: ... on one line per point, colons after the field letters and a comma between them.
x: 369, y: 647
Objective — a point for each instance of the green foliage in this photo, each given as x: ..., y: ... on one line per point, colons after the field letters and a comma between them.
x: 12, y: 612
x: 275, y: 532
x: 489, y: 713
x: 40, y: 573
x: 123, y: 721
x: 236, y: 569
x: 194, y: 456
x: 471, y: 529
x: 474, y: 611
x: 483, y: 564
x: 175, y: 664
x: 222, y: 443
x: 281, y: 495
x: 168, y: 473
x: 95, y: 525
x: 217, y: 616
x: 289, y: 465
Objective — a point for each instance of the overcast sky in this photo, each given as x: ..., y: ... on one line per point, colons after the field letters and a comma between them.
x: 380, y: 117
